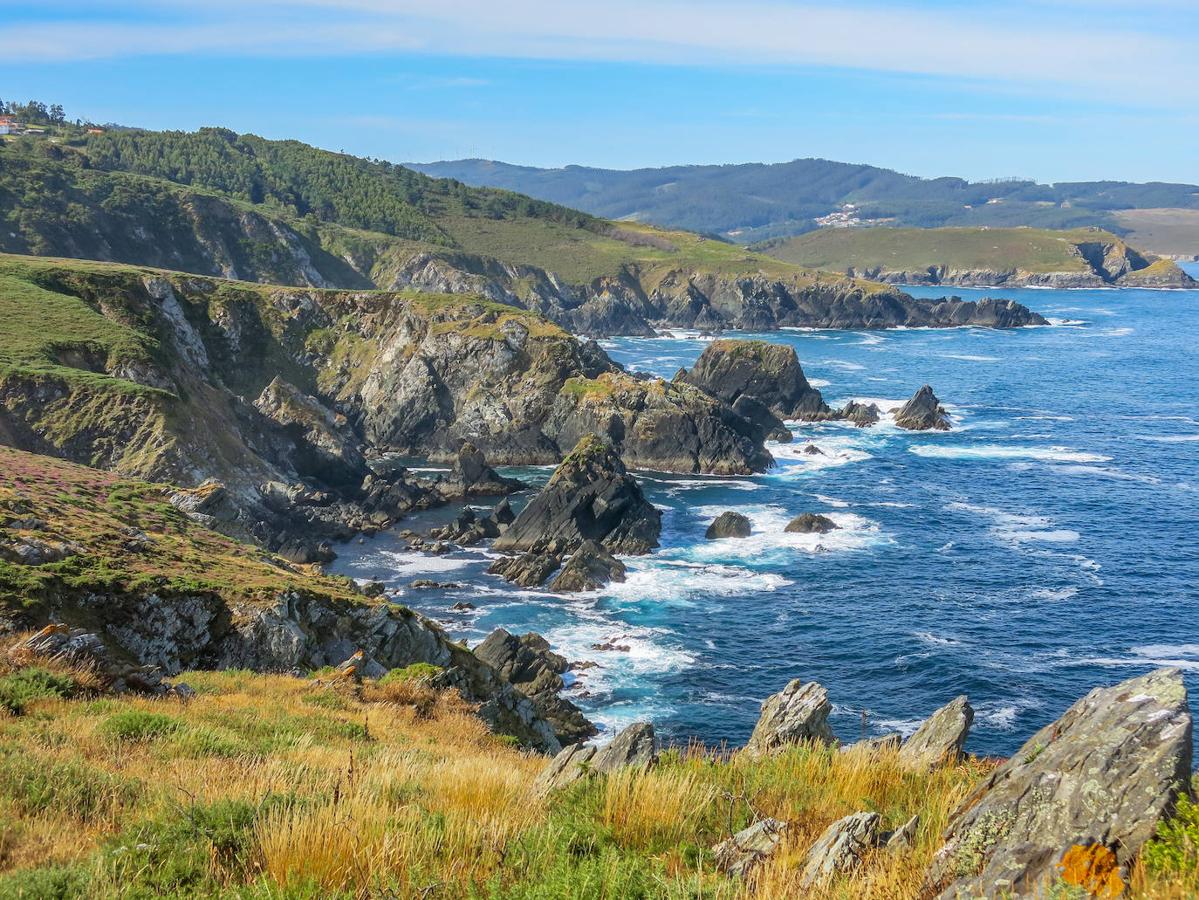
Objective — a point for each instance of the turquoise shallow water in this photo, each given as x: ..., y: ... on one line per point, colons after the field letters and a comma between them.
x: 1044, y: 546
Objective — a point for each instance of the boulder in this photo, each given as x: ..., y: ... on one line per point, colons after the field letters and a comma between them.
x: 904, y: 836
x: 571, y: 764
x: 502, y: 514
x: 590, y: 496
x: 811, y: 523
x: 840, y: 848
x: 923, y: 412
x: 529, y: 665
x: 891, y: 741
x: 1107, y: 772
x: 798, y: 713
x: 767, y: 372
x: 728, y: 525
x: 863, y: 415
x: 636, y: 746
x: 941, y: 737
x: 813, y: 450
x: 749, y: 847
x: 589, y: 569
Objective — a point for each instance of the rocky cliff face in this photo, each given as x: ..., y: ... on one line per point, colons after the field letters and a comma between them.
x: 768, y: 373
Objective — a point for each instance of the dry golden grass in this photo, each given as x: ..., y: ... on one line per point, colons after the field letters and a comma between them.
x: 655, y: 806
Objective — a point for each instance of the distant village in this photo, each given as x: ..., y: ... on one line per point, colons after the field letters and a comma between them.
x: 36, y: 118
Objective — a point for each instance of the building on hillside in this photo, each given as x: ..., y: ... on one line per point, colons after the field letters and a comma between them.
x: 8, y: 125
x: 95, y: 131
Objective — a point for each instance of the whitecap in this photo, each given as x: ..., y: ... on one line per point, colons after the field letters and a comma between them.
x: 966, y: 357
x: 997, y: 451
x: 412, y: 563
x: 1055, y: 595
x: 770, y: 544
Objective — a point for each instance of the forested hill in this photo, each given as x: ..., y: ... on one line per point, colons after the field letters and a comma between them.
x: 756, y: 201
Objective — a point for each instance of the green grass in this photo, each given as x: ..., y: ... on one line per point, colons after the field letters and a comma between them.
x: 20, y: 688
x: 915, y: 249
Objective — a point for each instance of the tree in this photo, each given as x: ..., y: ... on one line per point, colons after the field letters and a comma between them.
x: 57, y: 116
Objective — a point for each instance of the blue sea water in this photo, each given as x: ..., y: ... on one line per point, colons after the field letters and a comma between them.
x: 1048, y: 544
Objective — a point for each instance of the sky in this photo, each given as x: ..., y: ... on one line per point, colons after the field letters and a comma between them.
x: 1056, y: 90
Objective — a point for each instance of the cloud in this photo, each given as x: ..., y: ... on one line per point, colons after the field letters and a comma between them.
x: 1037, y: 47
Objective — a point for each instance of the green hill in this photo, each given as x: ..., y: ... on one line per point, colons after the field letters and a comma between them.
x: 986, y: 256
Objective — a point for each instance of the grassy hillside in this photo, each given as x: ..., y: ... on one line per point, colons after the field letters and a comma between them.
x: 1168, y: 232
x: 753, y: 202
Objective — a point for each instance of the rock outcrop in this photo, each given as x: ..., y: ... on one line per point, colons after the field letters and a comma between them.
x: 923, y: 412
x: 590, y: 497
x: 796, y: 714
x: 941, y: 737
x: 728, y: 524
x: 529, y: 569
x: 767, y: 373
x: 750, y: 847
x: 840, y: 848
x: 471, y: 476
x: 811, y: 523
x: 1107, y: 772
x: 528, y: 664
x: 863, y: 415
x: 635, y: 746
x: 589, y: 568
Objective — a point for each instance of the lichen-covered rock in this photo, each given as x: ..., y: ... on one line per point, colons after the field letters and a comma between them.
x: 797, y: 713
x: 811, y: 523
x: 571, y: 764
x: 923, y: 412
x: 635, y: 746
x: 749, y: 847
x: 592, y: 497
x: 941, y: 737
x: 840, y: 848
x: 588, y: 569
x: 903, y: 837
x: 1107, y: 772
x: 768, y: 373
x: 728, y: 524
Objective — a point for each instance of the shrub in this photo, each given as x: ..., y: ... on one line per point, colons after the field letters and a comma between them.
x: 137, y: 726
x: 87, y: 793
x: 1174, y: 852
x: 22, y: 687
x: 46, y: 883
x: 418, y: 672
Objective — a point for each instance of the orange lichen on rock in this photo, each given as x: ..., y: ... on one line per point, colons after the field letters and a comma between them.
x: 1094, y: 869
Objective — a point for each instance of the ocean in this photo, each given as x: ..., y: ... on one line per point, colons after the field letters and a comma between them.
x: 1047, y: 544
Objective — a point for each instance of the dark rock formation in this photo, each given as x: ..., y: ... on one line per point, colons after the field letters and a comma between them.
x: 840, y: 848
x: 941, y: 737
x: 811, y: 523
x: 759, y: 370
x: 862, y: 415
x: 589, y: 497
x: 1107, y: 772
x: 748, y: 848
x: 590, y: 567
x: 796, y: 714
x: 528, y: 664
x: 325, y: 447
x: 472, y: 477
x: 571, y: 764
x: 923, y: 412
x: 728, y: 524
x: 528, y: 569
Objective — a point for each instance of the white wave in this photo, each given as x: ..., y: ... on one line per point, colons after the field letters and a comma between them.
x: 770, y: 544
x: 1169, y: 438
x: 1014, y: 528
x: 1064, y: 323
x: 1115, y: 332
x: 871, y: 340
x: 402, y: 564
x: 1048, y: 418
x: 836, y: 450
x: 684, y: 575
x: 1178, y: 656
x: 843, y: 365
x: 818, y: 382
x: 1055, y: 595
x: 969, y: 358
x: 997, y: 451
x: 1001, y: 714
x: 1106, y: 472
x: 906, y: 727
x: 832, y: 501
x: 928, y: 637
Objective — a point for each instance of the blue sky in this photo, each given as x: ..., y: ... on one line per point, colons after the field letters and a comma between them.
x: 1055, y: 90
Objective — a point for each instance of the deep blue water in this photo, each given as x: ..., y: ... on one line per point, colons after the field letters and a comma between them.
x: 1046, y: 545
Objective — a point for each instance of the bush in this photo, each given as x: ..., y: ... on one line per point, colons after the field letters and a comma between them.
x: 137, y: 726
x: 22, y: 687
x: 83, y: 791
x: 418, y: 672
x: 46, y: 883
x: 1174, y: 852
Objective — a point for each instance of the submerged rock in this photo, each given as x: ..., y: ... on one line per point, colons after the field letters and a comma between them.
x: 749, y: 847
x: 589, y: 568
x: 922, y: 413
x: 941, y: 737
x: 1107, y: 772
x: 840, y: 848
x: 797, y: 713
x: 589, y: 497
x: 766, y: 372
x: 811, y: 523
x: 728, y: 525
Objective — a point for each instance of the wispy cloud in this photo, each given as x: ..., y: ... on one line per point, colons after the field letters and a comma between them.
x: 1038, y: 47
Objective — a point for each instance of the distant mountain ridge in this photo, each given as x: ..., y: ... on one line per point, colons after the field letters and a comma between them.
x: 756, y: 201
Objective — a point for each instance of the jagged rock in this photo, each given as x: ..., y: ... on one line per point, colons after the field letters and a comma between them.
x: 325, y: 446
x: 571, y: 764
x: 374, y: 589
x: 527, y: 570
x: 813, y: 450
x: 811, y: 523
x: 85, y: 648
x: 589, y: 568
x: 590, y: 496
x: 528, y: 664
x: 771, y: 426
x: 904, y: 836
x: 749, y: 847
x: 611, y: 647
x: 31, y: 551
x: 635, y: 746
x: 502, y: 514
x: 467, y: 529
x: 471, y: 476
x: 428, y: 584
x: 728, y: 525
x: 923, y: 412
x: 462, y: 606
x: 840, y: 848
x: 797, y: 713
x: 941, y: 737
x: 863, y: 415
x: 768, y: 373
x: 1107, y: 772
